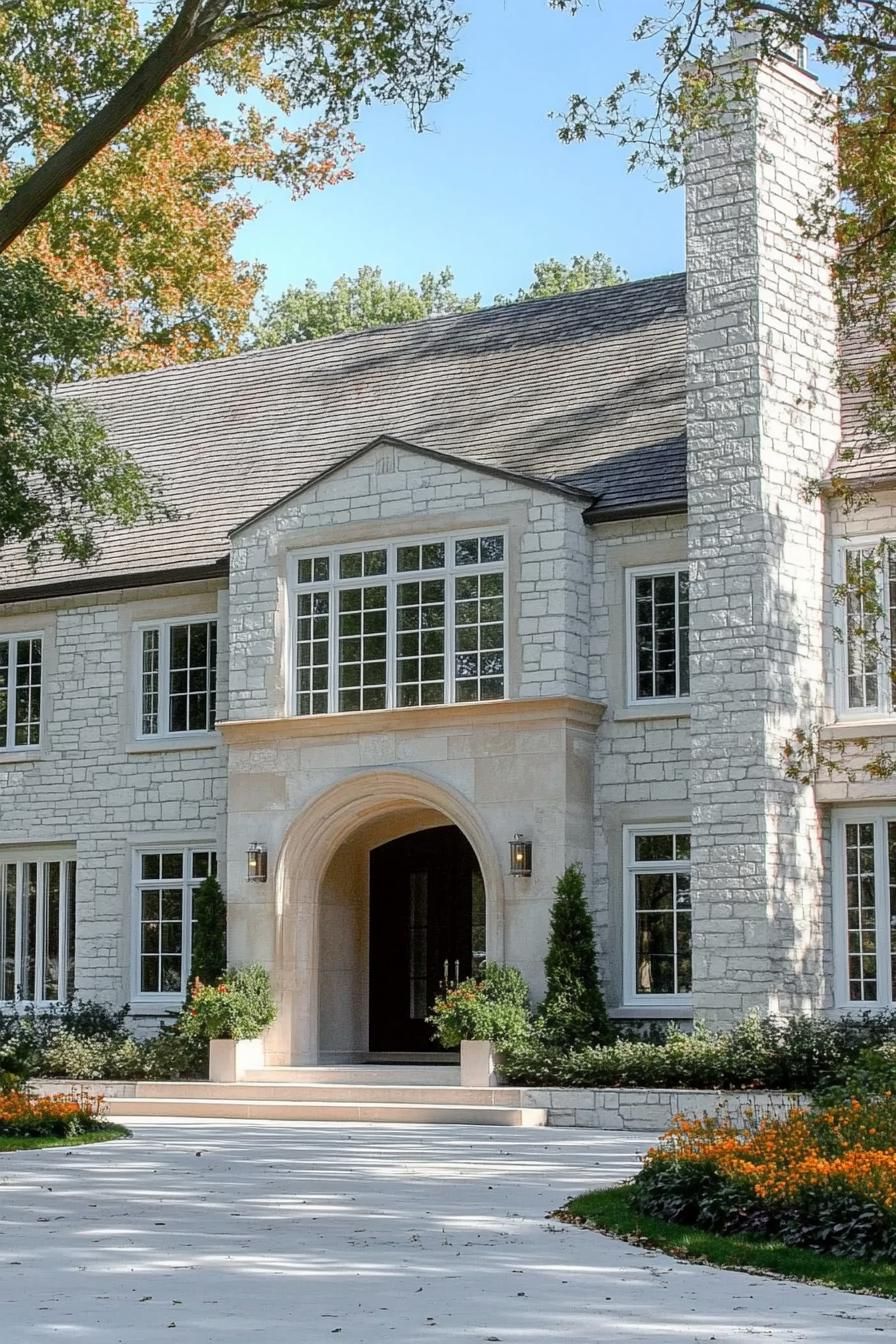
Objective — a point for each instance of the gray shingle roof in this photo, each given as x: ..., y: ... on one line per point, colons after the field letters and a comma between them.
x: 585, y: 389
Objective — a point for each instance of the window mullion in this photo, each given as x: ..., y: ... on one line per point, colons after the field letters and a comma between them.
x: 40, y: 929
x: 391, y: 639
x: 333, y: 635
x: 164, y: 676
x: 676, y: 644
x: 881, y: 901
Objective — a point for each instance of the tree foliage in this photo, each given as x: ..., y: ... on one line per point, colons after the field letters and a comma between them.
x: 356, y: 303
x: 209, y: 950
x: 573, y: 1012
x: 568, y: 277
x: 359, y: 302
x: 60, y: 479
x: 108, y: 138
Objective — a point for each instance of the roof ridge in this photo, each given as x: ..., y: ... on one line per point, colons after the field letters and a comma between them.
x: 382, y: 332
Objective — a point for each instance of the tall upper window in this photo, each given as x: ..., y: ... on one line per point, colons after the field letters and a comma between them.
x: 865, y: 907
x: 21, y: 669
x: 37, y: 929
x: 397, y: 625
x: 657, y: 913
x: 657, y: 608
x: 865, y: 628
x: 178, y: 672
x: 165, y: 882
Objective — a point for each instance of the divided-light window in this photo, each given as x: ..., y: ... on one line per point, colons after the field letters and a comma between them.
x: 398, y: 625
x: 865, y: 627
x: 37, y: 929
x: 178, y: 674
x: 658, y: 625
x: 21, y: 681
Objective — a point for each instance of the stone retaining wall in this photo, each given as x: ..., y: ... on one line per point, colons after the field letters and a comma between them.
x: 647, y: 1109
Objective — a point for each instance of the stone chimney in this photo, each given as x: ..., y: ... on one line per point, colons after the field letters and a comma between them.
x: 763, y: 418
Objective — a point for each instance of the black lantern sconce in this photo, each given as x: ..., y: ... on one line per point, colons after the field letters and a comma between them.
x: 520, y: 856
x: 257, y: 867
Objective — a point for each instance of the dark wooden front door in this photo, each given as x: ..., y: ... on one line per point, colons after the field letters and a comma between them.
x: 427, y: 920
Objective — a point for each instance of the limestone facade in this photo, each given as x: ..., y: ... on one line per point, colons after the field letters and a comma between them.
x: 572, y: 756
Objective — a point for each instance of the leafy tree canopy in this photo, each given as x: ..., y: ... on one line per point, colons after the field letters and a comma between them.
x: 566, y: 277
x: 654, y: 109
x: 109, y: 140
x: 59, y: 477
x: 358, y: 302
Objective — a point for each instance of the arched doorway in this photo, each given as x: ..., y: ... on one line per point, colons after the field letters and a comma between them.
x: 427, y: 930
x: 322, y: 874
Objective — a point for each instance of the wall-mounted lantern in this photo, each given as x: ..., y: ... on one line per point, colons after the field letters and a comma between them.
x: 520, y: 856
x: 257, y: 866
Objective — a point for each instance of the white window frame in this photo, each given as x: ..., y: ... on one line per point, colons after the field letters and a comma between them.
x: 878, y: 817
x: 40, y: 857
x: 13, y: 639
x: 391, y: 580
x: 631, y: 998
x: 886, y: 691
x: 162, y: 999
x: 632, y: 574
x: 166, y: 734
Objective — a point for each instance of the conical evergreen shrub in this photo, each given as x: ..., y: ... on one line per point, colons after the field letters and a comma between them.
x: 573, y: 1012
x: 209, y: 959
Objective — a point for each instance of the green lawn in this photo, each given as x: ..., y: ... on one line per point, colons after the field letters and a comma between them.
x: 611, y: 1211
x: 13, y: 1143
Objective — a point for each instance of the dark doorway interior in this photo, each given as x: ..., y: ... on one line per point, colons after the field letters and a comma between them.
x: 427, y: 924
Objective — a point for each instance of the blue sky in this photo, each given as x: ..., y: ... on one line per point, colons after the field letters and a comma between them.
x: 489, y: 189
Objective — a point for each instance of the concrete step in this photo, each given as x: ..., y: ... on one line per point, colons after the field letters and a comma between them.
x: 383, y: 1075
x: 346, y: 1112
x: 328, y: 1091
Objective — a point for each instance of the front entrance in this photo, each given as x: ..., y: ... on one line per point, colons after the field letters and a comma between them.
x: 427, y: 928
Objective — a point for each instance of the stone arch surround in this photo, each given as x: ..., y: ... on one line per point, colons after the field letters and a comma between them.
x: 388, y: 803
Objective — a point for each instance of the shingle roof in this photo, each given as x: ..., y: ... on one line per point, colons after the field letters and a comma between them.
x: 585, y: 389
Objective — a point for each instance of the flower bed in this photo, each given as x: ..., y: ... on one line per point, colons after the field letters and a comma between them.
x: 822, y: 1178
x: 65, y: 1116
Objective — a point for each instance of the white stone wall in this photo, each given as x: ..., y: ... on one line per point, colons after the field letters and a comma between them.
x: 762, y: 419
x: 91, y: 785
x: 390, y: 492
x: 643, y: 760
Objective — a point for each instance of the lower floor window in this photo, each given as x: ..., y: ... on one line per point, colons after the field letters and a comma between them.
x: 658, y: 913
x: 37, y: 929
x: 865, y: 904
x: 166, y: 880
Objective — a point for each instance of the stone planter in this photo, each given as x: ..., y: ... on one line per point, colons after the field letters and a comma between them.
x: 479, y: 1064
x: 228, y: 1061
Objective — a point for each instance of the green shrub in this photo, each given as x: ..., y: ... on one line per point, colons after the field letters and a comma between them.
x: 238, y: 1008
x: 209, y: 952
x: 174, y: 1054
x: 492, y: 1007
x: 799, y: 1054
x: 573, y: 1012
x: 71, y: 1056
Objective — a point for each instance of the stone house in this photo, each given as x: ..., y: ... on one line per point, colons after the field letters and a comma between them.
x: 542, y: 578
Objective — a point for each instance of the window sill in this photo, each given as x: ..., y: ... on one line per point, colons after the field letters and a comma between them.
x: 174, y: 742
x: 155, y: 1005
x: 846, y: 729
x: 640, y: 1012
x: 655, y: 709
x: 16, y: 756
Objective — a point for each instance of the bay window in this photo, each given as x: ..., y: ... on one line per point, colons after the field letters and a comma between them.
x: 657, y: 915
x: 177, y: 677
x: 37, y: 928
x: 21, y: 682
x: 399, y: 625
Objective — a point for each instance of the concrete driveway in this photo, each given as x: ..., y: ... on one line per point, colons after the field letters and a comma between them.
x: 225, y: 1231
